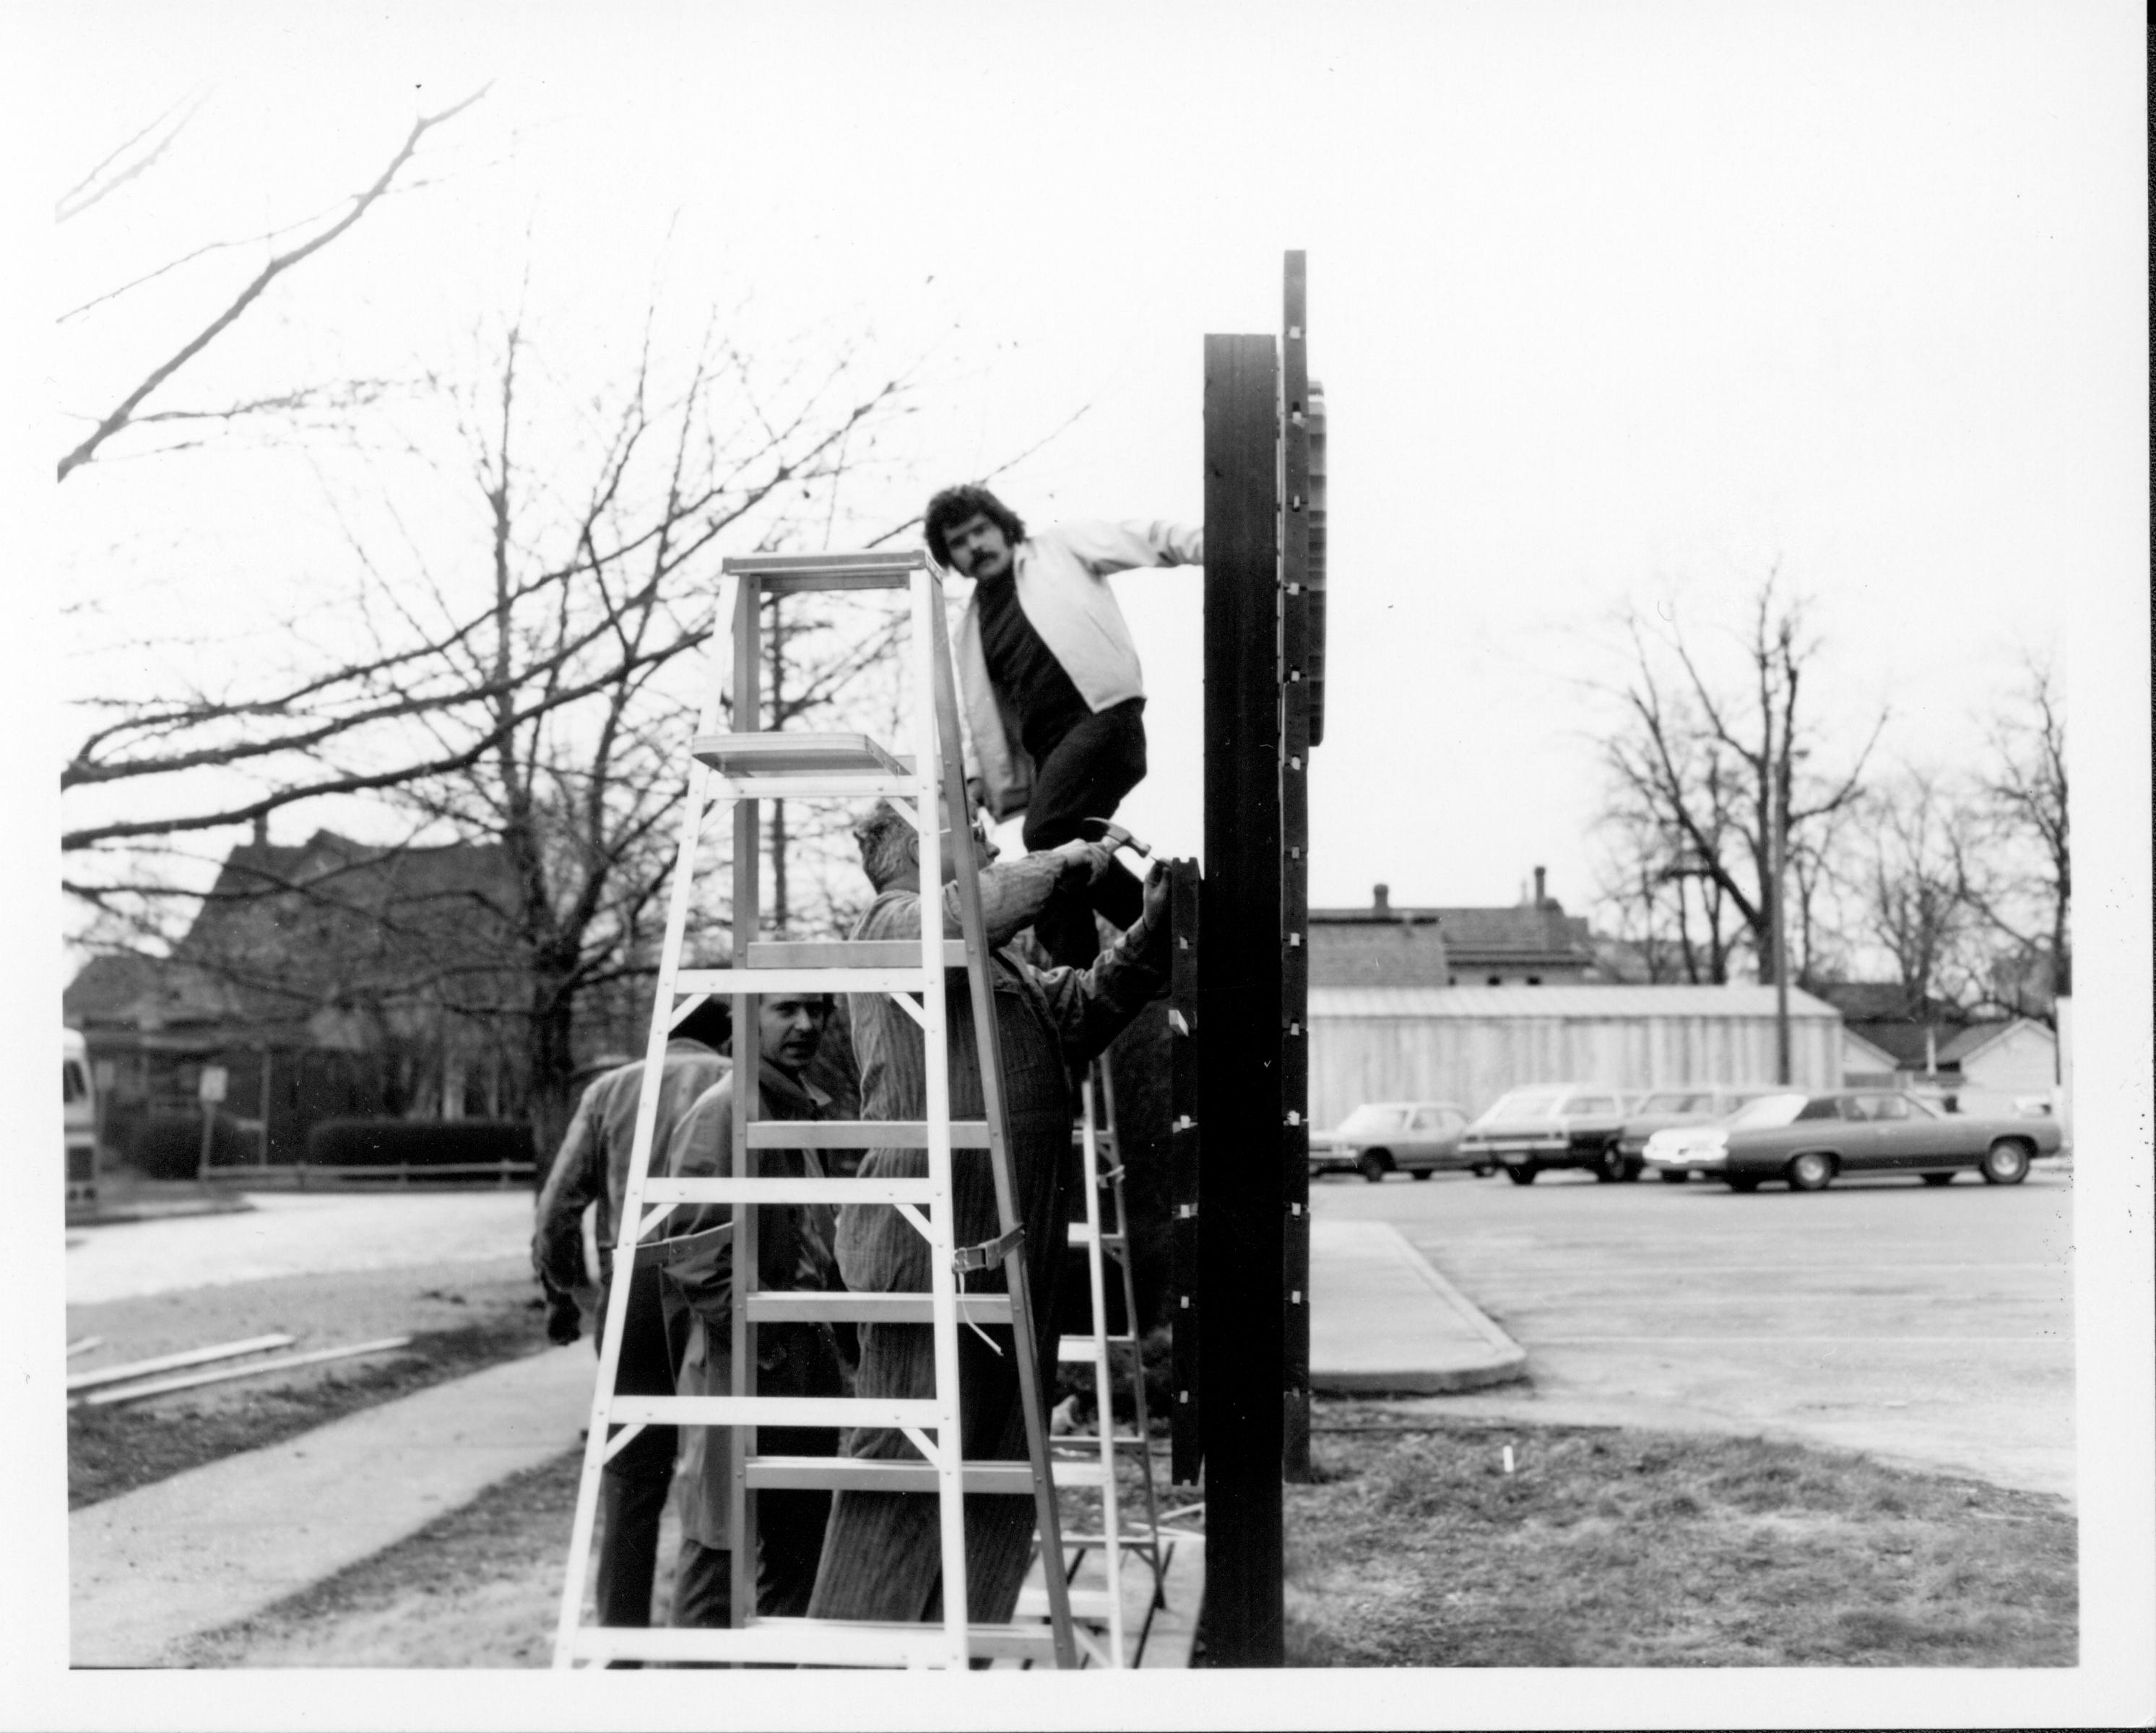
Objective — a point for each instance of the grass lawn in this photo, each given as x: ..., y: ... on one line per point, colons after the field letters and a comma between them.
x: 1603, y: 1548
x: 1607, y: 1547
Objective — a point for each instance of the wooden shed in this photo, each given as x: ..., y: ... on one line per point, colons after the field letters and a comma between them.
x: 1470, y: 1044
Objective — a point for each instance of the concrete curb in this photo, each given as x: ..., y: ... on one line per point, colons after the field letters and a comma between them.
x: 1384, y: 1320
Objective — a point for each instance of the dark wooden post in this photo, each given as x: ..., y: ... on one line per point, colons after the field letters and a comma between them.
x: 1240, y: 1111
x: 1295, y: 873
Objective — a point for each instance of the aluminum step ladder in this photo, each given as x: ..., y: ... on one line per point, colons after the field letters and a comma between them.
x: 742, y: 768
x: 1104, y: 1236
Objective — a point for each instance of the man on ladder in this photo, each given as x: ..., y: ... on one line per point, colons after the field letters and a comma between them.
x: 1055, y: 701
x: 881, y: 1551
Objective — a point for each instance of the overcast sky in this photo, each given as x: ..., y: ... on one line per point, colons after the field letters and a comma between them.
x: 1618, y: 304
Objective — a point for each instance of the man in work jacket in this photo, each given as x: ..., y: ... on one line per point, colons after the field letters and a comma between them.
x: 592, y: 1168
x: 793, y: 1251
x: 1054, y: 705
x: 882, y: 1556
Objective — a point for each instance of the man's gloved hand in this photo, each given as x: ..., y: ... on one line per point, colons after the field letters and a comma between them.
x: 1156, y: 897
x: 564, y: 1321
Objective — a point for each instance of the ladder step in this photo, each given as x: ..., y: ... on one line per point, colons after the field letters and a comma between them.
x: 829, y: 785
x: 889, y: 1474
x: 1081, y: 1234
x: 777, y: 752
x: 774, y: 1306
x: 804, y: 1189
x: 1121, y: 1440
x: 1137, y: 1541
x: 908, y: 1475
x: 839, y: 1411
x: 812, y: 1641
x: 849, y: 954
x: 1080, y: 1347
x: 861, y: 1134
x: 729, y: 982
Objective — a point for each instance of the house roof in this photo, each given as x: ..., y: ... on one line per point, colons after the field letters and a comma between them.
x: 1525, y: 935
x: 1869, y: 1001
x: 1370, y: 955
x: 286, y: 930
x: 1586, y: 1002
x: 1906, y: 1043
x: 1867, y: 1050
x: 1974, y: 1039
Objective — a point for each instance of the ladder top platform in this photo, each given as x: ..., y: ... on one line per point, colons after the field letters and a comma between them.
x: 779, y: 573
x: 894, y: 560
x: 776, y: 753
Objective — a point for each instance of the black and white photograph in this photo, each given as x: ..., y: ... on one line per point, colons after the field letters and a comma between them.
x: 1515, y: 641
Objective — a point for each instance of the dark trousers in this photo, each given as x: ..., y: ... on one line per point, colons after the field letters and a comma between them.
x: 789, y: 1533
x: 1086, y: 775
x: 632, y: 1486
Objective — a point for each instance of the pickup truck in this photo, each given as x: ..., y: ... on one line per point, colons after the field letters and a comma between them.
x: 1557, y: 1125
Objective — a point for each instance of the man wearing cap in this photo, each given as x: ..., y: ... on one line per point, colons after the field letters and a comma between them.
x: 882, y: 1557
x: 591, y: 1168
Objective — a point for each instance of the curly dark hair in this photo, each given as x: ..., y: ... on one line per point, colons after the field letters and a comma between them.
x: 954, y: 506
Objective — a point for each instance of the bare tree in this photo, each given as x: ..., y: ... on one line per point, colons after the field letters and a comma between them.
x: 2015, y: 872
x: 121, y: 167
x: 1700, y: 766
x: 1908, y: 893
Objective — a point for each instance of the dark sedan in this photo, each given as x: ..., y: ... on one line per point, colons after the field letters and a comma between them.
x: 1808, y: 1142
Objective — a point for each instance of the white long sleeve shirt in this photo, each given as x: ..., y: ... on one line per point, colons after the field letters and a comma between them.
x: 1062, y: 579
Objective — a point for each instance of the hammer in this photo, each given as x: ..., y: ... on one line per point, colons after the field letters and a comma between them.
x: 1102, y: 830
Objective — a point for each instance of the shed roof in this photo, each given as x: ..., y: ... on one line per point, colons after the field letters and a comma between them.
x: 1574, y: 1001
x: 1974, y: 1039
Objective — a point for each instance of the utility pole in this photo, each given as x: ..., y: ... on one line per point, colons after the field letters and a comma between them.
x: 1777, y: 927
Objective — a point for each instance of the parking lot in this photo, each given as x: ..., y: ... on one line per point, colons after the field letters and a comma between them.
x: 1929, y: 1326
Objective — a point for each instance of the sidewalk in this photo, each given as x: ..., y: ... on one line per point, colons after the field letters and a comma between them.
x: 1383, y: 1320
x: 221, y: 1542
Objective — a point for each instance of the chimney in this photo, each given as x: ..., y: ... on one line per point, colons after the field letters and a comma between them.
x: 1542, y: 886
x: 1381, y: 899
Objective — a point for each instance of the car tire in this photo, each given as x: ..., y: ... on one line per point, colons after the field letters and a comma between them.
x: 1482, y: 1172
x: 1673, y: 1175
x: 1743, y: 1183
x: 2006, y: 1163
x: 1610, y: 1165
x: 1418, y: 1172
x: 1811, y: 1171
x: 1374, y: 1165
x: 1936, y: 1179
x: 1523, y: 1175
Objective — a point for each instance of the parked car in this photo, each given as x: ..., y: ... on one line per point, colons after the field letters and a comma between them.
x: 1558, y: 1125
x: 1808, y: 1140
x: 1382, y: 1137
x: 78, y: 1114
x: 1693, y: 1104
